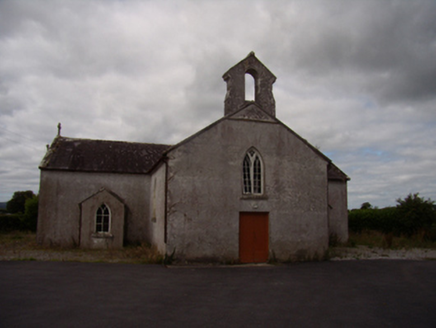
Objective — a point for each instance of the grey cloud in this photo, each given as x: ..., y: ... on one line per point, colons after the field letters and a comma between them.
x: 355, y: 78
x: 392, y: 43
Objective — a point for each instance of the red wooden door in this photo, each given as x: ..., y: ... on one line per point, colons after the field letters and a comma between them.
x: 253, y: 237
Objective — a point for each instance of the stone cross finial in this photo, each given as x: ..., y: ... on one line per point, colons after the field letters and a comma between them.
x: 59, y: 129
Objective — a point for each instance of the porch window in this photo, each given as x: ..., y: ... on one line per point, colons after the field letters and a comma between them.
x: 102, y: 219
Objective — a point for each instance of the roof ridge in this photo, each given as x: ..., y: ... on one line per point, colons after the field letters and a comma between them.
x: 109, y: 141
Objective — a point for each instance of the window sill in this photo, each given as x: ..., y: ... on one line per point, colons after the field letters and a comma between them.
x: 255, y: 197
x: 105, y: 235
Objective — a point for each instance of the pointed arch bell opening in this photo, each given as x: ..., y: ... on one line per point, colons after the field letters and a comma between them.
x: 252, y: 173
x: 250, y: 87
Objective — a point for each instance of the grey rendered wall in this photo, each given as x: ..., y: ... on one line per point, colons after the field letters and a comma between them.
x: 338, y: 209
x: 157, y: 208
x: 205, y: 192
x: 62, y: 191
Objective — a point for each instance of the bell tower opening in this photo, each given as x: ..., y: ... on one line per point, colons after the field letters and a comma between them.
x: 250, y: 87
x: 249, y: 81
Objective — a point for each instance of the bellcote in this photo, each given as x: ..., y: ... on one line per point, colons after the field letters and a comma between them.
x: 263, y: 81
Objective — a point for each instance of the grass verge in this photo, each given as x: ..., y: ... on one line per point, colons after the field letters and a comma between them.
x: 22, y: 246
x: 372, y: 238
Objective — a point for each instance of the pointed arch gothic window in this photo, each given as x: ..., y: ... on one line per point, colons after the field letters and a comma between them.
x: 252, y: 172
x: 102, y: 219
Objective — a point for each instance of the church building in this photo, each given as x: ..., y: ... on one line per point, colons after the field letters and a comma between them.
x: 244, y: 189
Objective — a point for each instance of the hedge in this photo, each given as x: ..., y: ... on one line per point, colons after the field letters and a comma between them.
x: 393, y: 220
x: 10, y: 222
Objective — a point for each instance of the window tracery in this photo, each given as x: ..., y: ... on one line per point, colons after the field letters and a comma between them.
x: 102, y: 219
x: 252, y: 172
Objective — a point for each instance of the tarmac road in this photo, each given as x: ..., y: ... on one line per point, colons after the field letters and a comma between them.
x: 323, y: 294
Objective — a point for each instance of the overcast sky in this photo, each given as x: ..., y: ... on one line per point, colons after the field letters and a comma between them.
x: 355, y: 78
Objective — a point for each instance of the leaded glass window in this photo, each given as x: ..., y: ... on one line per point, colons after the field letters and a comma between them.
x: 102, y: 219
x: 252, y: 173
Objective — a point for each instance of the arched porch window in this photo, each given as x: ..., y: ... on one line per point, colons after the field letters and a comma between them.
x: 102, y: 219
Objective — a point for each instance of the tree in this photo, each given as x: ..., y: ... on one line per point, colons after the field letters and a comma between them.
x: 366, y: 206
x: 18, y: 201
x: 30, y: 217
x: 415, y: 214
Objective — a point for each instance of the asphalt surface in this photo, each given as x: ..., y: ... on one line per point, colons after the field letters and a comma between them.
x: 324, y: 294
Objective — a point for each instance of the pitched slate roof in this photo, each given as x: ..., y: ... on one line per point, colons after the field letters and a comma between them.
x: 86, y: 155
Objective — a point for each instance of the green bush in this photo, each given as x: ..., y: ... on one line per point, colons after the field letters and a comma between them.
x: 387, y: 219
x: 383, y: 220
x: 411, y: 216
x: 415, y: 215
x: 359, y: 220
x: 30, y: 217
x: 18, y: 201
x: 10, y: 222
x: 20, y: 221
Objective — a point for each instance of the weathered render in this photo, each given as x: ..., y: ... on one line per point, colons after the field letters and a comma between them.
x: 75, y: 169
x: 158, y: 208
x: 206, y: 197
x: 246, y: 188
x: 338, y: 207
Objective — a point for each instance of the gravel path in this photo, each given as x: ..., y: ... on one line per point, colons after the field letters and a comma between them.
x: 375, y: 253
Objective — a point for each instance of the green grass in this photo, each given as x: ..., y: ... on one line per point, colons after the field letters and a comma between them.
x: 22, y: 246
x: 389, y: 241
x: 17, y: 245
x: 25, y: 259
x: 18, y: 240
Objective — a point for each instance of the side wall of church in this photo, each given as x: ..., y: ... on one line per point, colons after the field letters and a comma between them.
x: 205, y: 195
x: 338, y: 212
x: 62, y: 191
x: 157, y: 208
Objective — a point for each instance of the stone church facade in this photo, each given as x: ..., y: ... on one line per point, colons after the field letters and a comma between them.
x: 245, y: 189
